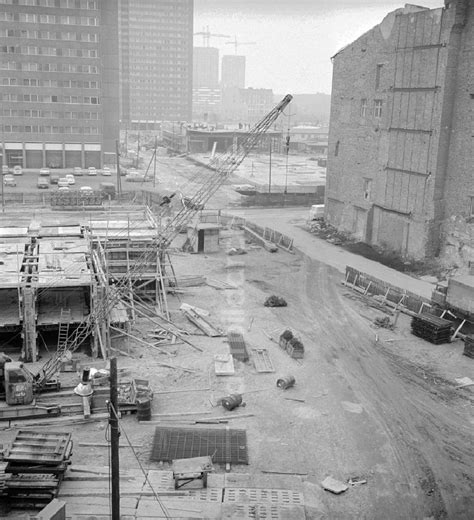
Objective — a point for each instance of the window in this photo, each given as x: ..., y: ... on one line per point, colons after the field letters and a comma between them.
x: 363, y: 107
x: 367, y: 189
x: 378, y: 72
x: 378, y: 108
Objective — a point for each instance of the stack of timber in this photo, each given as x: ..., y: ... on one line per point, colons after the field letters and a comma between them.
x: 237, y: 345
x: 36, y: 463
x: 469, y: 346
x: 431, y: 328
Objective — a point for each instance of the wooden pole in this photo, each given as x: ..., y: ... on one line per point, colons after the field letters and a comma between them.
x: 114, y: 440
x: 154, y: 163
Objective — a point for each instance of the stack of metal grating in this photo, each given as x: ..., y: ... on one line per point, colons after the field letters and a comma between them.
x: 237, y: 346
x: 431, y: 328
x: 469, y: 346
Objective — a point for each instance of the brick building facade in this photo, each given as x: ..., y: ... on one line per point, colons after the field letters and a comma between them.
x: 59, y: 82
x: 401, y: 151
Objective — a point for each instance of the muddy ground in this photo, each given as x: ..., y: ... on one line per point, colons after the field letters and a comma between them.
x: 378, y: 404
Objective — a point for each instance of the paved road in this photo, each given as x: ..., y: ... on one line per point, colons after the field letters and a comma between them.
x: 290, y: 221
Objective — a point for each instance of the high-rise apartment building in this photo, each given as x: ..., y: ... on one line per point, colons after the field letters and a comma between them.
x: 233, y: 71
x: 156, y: 56
x: 59, y: 82
x: 401, y: 150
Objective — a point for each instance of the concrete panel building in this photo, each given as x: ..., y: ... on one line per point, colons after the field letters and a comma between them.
x: 205, y: 67
x: 59, y: 82
x: 401, y: 150
x: 156, y: 61
x: 233, y: 71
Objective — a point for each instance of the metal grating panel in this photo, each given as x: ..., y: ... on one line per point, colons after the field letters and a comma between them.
x: 222, y: 444
x: 262, y: 512
x: 272, y: 496
x: 262, y: 360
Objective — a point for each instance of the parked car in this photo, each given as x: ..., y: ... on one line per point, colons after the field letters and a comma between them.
x: 135, y: 177
x: 70, y: 178
x: 5, y: 169
x: 77, y: 171
x: 106, y: 171
x: 92, y: 171
x: 9, y: 180
x: 17, y: 170
x: 44, y: 172
x: 63, y: 182
x: 42, y: 183
x: 53, y: 179
x: 86, y: 189
x: 63, y: 188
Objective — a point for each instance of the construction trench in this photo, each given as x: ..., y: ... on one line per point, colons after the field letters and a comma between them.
x: 229, y: 407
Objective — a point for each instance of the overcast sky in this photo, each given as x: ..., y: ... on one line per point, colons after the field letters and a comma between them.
x: 294, y: 39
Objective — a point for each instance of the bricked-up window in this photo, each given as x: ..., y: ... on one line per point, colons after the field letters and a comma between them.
x: 378, y: 73
x: 367, y: 189
x: 363, y: 107
x: 378, y: 108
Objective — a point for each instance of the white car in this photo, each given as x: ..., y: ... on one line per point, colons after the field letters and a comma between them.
x: 63, y: 183
x: 70, y: 178
x: 106, y: 172
x: 44, y: 172
x: 17, y: 170
x: 86, y: 189
x: 92, y: 171
x: 77, y: 171
x: 63, y: 188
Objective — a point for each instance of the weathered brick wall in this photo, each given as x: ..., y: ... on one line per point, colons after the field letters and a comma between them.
x: 404, y: 152
x: 458, y: 224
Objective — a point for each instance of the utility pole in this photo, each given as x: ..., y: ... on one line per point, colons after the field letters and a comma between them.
x: 3, y: 195
x: 154, y: 163
x: 270, y: 168
x: 114, y: 440
x: 117, y: 156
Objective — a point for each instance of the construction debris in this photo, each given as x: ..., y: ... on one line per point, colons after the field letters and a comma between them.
x: 262, y: 361
x: 383, y: 323
x: 224, y: 365
x: 237, y: 345
x: 291, y: 344
x: 195, y: 317
x: 275, y: 301
x: 334, y: 486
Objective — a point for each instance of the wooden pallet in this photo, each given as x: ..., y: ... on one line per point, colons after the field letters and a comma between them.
x: 262, y: 360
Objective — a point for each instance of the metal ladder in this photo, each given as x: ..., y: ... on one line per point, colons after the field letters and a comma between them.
x: 63, y: 333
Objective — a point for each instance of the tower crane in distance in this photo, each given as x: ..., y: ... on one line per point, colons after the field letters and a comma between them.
x: 236, y: 43
x: 206, y: 35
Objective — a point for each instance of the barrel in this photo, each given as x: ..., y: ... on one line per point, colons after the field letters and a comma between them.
x: 286, y: 382
x: 143, y: 409
x: 232, y: 401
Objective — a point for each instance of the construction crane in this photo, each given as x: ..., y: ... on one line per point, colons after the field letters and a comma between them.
x: 236, y: 43
x: 223, y: 166
x: 206, y: 35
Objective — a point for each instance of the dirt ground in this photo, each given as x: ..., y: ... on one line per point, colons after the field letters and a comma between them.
x: 377, y: 404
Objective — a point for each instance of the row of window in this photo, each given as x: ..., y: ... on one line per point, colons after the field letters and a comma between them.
x: 50, y: 35
x: 35, y: 98
x: 66, y: 83
x: 65, y: 4
x: 49, y: 67
x: 49, y: 114
x: 48, y: 51
x: 377, y: 109
x: 84, y: 130
x: 48, y: 18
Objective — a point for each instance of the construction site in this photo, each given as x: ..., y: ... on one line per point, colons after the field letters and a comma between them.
x: 185, y: 356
